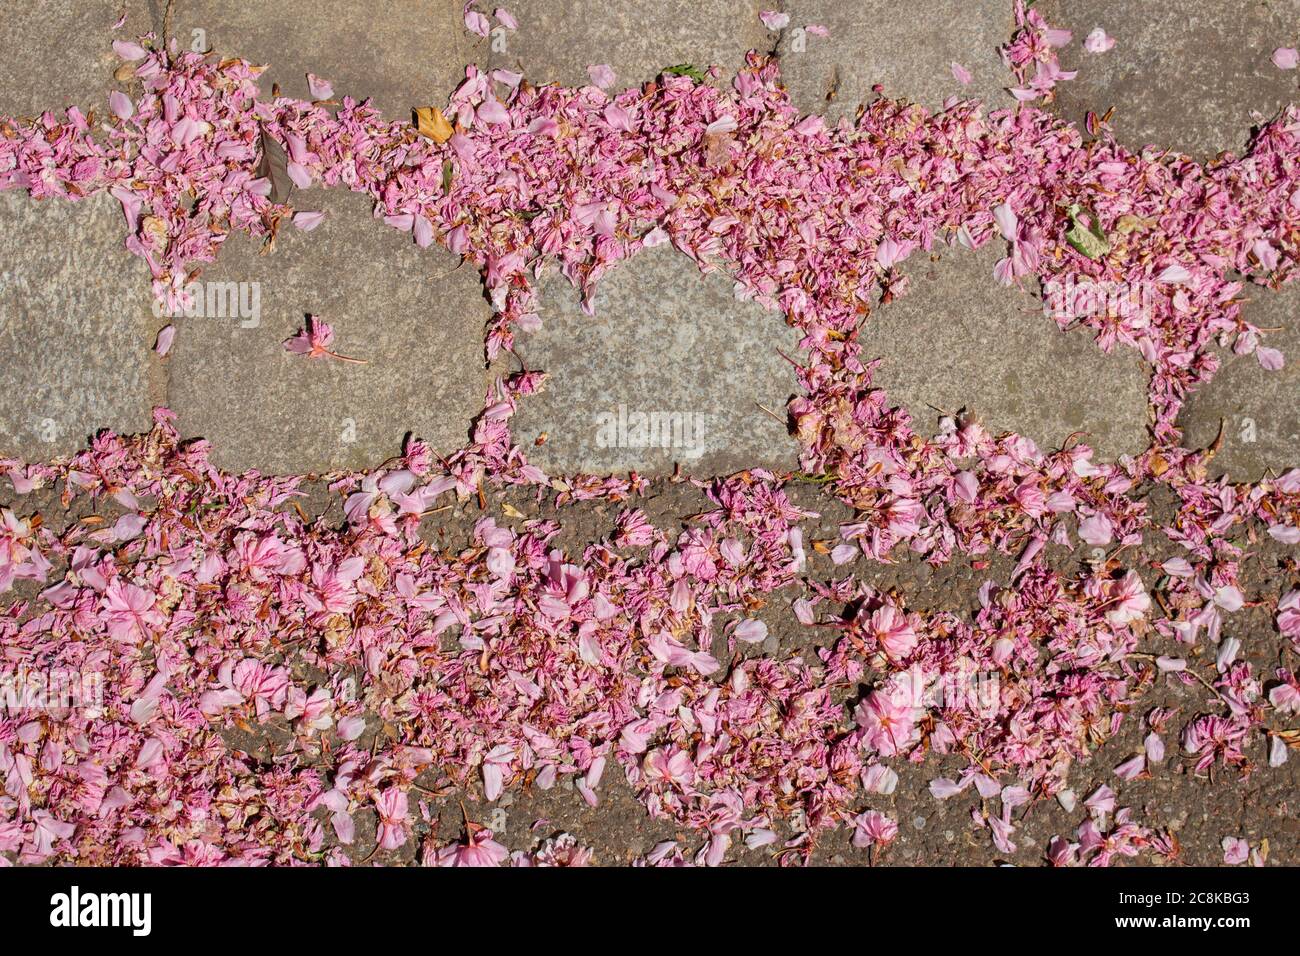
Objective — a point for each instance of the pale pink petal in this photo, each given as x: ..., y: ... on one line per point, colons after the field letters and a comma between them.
x: 120, y: 105
x: 1098, y: 41
x: 1271, y: 359
x: 134, y: 51
x: 477, y: 23
x: 319, y: 89
x: 165, y: 338
x: 307, y: 221
x: 602, y: 75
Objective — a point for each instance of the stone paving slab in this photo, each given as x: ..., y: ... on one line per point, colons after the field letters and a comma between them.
x: 1185, y: 73
x: 402, y: 55
x: 58, y: 53
x: 959, y: 339
x: 1259, y: 409
x: 908, y: 49
x: 75, y: 326
x: 671, y: 368
x: 1193, y: 75
x: 416, y: 316
x: 558, y: 41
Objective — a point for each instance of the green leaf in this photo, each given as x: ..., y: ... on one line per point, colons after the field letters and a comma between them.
x: 686, y: 69
x: 1088, y: 241
x: 446, y: 176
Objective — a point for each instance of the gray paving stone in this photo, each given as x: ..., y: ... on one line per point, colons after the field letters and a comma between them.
x: 666, y: 341
x: 907, y: 48
x: 402, y: 55
x: 558, y: 41
x: 1259, y: 410
x: 1184, y: 74
x: 958, y: 339
x: 414, y: 315
x: 75, y: 326
x: 58, y: 53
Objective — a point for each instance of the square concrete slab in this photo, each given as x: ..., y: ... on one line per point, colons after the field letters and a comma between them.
x: 1191, y: 75
x: 958, y: 340
x: 416, y: 317
x: 58, y: 53
x: 671, y: 369
x: 908, y: 49
x: 402, y: 55
x: 75, y: 326
x: 1259, y: 409
x: 558, y: 41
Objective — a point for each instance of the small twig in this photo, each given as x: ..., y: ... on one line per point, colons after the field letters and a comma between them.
x: 167, y: 22
x: 345, y: 358
x: 1205, y: 683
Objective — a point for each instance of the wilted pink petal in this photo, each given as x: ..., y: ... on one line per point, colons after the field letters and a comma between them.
x: 1132, y: 767
x: 1155, y: 747
x: 1098, y: 41
x: 1229, y: 598
x: 725, y: 124
x: 873, y: 828
x: 1235, y: 850
x: 476, y: 22
x: 1102, y: 800
x: 350, y: 728
x: 1270, y: 359
x: 166, y: 336
x: 120, y: 105
x: 1008, y: 223
x: 391, y: 805
x: 942, y: 788
x: 307, y: 221
x: 134, y: 51
x: 492, y: 112
x: 319, y: 89
x: 602, y: 75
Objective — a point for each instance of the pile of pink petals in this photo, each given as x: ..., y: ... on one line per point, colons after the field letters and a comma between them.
x: 211, y: 603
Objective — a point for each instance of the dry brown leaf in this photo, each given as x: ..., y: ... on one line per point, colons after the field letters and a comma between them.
x: 274, y: 167
x: 431, y: 124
